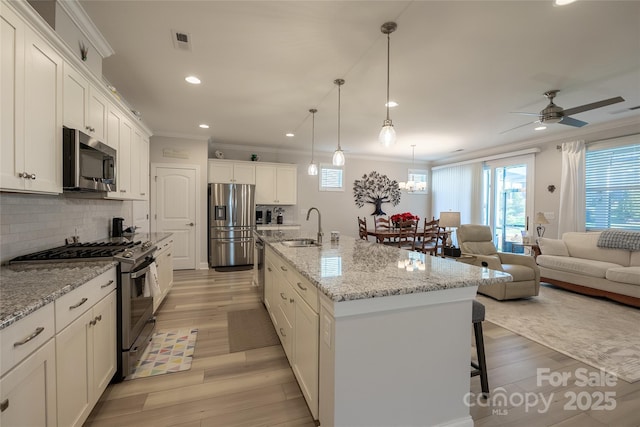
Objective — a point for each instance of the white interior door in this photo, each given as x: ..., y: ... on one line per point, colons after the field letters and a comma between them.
x: 175, y: 205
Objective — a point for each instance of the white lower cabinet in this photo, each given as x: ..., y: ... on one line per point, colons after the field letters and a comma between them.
x: 28, y: 391
x: 292, y: 303
x: 86, y: 361
x: 164, y: 263
x: 85, y: 347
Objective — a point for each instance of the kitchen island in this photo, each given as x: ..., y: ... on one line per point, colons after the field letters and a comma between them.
x: 388, y: 331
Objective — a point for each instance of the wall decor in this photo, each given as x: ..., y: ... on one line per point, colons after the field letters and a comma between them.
x: 84, y: 51
x: 376, y: 189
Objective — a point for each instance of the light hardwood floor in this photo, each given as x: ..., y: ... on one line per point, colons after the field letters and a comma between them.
x: 257, y: 387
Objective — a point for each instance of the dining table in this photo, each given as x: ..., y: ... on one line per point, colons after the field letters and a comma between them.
x: 383, y: 234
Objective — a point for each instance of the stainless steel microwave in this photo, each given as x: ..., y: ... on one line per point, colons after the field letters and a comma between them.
x: 89, y: 165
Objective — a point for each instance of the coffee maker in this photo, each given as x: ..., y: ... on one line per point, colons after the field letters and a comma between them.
x: 116, y: 227
x: 268, y: 216
x: 258, y: 216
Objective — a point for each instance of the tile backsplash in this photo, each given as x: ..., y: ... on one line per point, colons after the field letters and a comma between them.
x: 31, y: 222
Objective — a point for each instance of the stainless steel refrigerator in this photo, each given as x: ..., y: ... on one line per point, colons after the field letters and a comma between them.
x: 232, y: 214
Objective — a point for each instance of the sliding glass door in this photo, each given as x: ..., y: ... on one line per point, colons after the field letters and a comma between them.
x: 508, y: 201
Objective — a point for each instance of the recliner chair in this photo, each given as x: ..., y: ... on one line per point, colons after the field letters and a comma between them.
x: 477, y: 240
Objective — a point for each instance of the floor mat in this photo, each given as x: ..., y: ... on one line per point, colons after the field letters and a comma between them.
x: 250, y: 329
x: 169, y: 351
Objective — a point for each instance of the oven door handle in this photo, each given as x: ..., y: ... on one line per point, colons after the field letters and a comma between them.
x: 139, y: 273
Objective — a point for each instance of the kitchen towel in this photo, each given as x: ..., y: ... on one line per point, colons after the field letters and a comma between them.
x: 151, y: 286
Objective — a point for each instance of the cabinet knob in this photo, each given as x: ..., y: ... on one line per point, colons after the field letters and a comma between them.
x: 32, y: 176
x: 301, y: 287
x: 98, y: 318
x: 4, y: 405
x: 93, y: 322
x: 190, y: 224
x: 283, y: 296
x: 282, y: 332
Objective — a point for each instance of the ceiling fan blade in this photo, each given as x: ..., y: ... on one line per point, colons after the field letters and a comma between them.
x: 572, y: 122
x: 517, y: 127
x: 593, y: 106
x: 522, y: 112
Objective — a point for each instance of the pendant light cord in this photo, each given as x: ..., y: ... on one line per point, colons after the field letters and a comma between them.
x: 313, y: 112
x: 388, y: 69
x: 339, y: 83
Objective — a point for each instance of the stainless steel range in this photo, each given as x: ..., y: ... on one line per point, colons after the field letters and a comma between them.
x: 135, y: 310
x: 135, y: 306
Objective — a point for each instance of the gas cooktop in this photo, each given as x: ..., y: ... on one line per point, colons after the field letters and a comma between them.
x: 75, y: 251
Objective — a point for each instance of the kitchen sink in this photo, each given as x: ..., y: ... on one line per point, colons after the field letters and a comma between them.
x: 300, y: 243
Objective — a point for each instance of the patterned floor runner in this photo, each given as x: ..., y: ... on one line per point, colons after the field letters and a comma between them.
x: 169, y: 351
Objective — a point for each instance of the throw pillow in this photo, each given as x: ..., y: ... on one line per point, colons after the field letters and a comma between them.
x: 552, y: 247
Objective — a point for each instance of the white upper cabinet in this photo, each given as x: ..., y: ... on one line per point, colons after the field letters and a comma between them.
x: 41, y: 93
x: 276, y: 184
x: 85, y: 108
x: 31, y: 76
x: 230, y: 172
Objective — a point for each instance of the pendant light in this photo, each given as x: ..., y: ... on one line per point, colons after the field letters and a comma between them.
x: 338, y: 155
x: 387, y: 135
x: 313, y: 168
x: 410, y: 185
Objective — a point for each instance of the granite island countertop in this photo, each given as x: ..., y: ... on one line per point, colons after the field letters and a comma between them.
x: 24, y: 288
x: 353, y: 269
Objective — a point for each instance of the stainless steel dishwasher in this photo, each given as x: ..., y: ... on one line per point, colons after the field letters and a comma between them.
x: 259, y: 244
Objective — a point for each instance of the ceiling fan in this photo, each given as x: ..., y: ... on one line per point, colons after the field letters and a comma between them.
x: 555, y: 114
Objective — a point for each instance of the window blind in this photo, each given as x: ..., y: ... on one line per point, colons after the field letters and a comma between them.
x: 330, y: 178
x: 612, y: 187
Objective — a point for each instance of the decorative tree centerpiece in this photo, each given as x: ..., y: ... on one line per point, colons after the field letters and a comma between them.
x: 376, y: 189
x: 405, y: 216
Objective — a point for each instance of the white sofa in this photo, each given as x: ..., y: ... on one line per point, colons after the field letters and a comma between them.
x: 575, y: 262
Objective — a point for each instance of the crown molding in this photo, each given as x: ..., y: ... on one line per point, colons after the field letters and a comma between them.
x: 80, y: 18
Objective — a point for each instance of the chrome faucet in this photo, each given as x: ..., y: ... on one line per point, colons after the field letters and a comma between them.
x: 320, y: 234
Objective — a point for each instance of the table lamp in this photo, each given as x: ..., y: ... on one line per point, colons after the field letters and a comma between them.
x: 540, y: 219
x: 449, y: 220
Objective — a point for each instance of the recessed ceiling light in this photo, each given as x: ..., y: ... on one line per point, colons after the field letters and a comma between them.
x: 204, y: 126
x: 540, y: 128
x: 290, y: 135
x: 193, y: 80
x: 563, y: 2
x: 391, y: 104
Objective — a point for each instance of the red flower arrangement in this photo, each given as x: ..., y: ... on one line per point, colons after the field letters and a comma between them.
x: 405, y: 216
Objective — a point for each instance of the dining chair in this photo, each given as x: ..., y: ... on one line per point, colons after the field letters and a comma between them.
x: 362, y: 228
x: 429, y: 241
x: 383, y: 223
x: 407, y: 233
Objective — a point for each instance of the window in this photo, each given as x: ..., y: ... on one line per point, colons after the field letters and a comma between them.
x: 331, y: 178
x: 612, y: 186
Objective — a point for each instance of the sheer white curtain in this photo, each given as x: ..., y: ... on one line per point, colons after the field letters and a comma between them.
x: 571, y: 215
x: 458, y: 189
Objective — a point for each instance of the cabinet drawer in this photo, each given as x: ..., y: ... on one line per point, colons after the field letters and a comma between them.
x: 22, y: 338
x: 285, y: 332
x: 286, y: 300
x: 306, y: 290
x: 72, y: 305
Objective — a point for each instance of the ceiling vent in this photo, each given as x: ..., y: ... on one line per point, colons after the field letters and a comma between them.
x: 181, y: 40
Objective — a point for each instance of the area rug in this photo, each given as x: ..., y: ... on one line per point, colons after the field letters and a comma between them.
x: 169, y: 351
x: 595, y: 331
x: 250, y: 329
